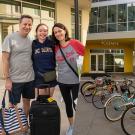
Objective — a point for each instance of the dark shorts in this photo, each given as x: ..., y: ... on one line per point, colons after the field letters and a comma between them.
x: 25, y: 89
x: 39, y: 82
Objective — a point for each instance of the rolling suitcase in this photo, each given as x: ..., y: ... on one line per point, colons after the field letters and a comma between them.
x: 44, y: 116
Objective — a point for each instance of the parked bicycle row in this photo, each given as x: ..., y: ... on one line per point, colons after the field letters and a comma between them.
x: 117, y: 98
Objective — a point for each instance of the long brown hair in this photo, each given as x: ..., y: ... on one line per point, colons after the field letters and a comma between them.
x: 61, y: 26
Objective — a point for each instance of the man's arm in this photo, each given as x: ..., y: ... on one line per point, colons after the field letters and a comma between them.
x: 5, y: 60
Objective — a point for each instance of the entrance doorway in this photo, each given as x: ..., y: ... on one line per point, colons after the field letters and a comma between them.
x: 97, y: 63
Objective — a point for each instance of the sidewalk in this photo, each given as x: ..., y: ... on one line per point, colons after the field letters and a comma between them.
x: 57, y: 96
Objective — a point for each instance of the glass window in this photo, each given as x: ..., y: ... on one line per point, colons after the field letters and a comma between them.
x: 47, y: 3
x: 37, y: 12
x: 119, y: 63
x: 94, y: 0
x: 35, y: 23
x: 47, y: 13
x: 5, y: 9
x: 131, y: 26
x: 103, y: 0
x: 111, y: 27
x: 32, y: 1
x: 109, y: 59
x: 96, y: 51
x: 112, y: 14
x: 109, y: 68
x: 93, y: 16
x: 30, y: 8
x: 131, y: 12
x: 122, y: 26
x: 93, y: 29
x: 122, y: 13
x: 110, y: 50
x: 17, y: 9
x: 102, y: 15
x: 102, y: 28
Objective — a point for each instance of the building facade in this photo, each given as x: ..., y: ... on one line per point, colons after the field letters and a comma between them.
x: 43, y: 11
x: 110, y: 45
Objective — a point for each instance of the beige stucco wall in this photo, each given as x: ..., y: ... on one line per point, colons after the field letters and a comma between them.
x: 85, y: 24
x: 63, y: 15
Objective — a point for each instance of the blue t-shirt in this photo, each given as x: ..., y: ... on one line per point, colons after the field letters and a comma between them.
x: 43, y: 55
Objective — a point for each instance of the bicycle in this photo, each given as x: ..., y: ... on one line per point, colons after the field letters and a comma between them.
x: 128, y: 120
x: 87, y: 89
x: 117, y: 104
x: 103, y: 92
x: 90, y: 87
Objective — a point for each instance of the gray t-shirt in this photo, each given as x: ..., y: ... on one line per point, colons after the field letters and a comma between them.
x: 20, y: 49
x: 65, y: 73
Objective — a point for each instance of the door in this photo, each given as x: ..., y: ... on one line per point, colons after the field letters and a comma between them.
x: 97, y: 64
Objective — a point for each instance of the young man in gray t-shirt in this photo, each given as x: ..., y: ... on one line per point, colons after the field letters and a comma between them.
x: 18, y: 69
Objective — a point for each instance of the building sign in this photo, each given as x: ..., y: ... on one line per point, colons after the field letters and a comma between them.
x: 107, y: 42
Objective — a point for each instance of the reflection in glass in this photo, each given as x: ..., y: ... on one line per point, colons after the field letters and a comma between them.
x: 93, y: 62
x: 100, y: 63
x: 109, y: 68
x: 109, y: 62
x: 111, y: 27
x: 93, y: 16
x: 131, y: 12
x: 119, y: 59
x: 112, y: 14
x: 102, y: 28
x: 102, y: 15
x: 131, y: 26
x: 119, y: 63
x: 109, y: 59
x: 121, y: 17
x: 122, y: 13
x: 93, y: 29
x: 122, y: 26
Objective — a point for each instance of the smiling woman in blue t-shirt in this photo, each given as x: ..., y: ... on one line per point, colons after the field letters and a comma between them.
x: 43, y: 55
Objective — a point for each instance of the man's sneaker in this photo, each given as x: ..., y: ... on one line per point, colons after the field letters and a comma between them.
x: 70, y: 130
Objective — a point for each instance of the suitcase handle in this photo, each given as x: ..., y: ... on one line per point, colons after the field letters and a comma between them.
x: 43, y: 86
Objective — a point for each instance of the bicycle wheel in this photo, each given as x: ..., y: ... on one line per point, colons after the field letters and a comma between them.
x: 99, y: 98
x: 114, y: 108
x: 128, y: 121
x: 131, y: 89
x: 87, y: 89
